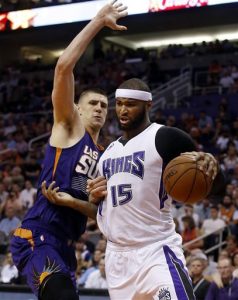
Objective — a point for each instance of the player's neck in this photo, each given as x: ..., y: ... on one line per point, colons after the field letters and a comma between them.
x: 129, y: 134
x: 94, y: 134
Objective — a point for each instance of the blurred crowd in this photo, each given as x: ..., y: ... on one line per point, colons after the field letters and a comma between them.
x: 9, y: 5
x: 25, y: 127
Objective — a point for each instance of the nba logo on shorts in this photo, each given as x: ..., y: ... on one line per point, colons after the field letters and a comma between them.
x: 163, y: 294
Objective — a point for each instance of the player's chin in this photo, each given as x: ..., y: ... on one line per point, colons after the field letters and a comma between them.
x: 98, y: 123
x: 124, y: 125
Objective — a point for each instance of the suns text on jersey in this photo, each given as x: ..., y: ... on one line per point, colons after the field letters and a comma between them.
x: 88, y: 163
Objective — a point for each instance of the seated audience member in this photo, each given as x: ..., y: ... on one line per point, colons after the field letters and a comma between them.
x: 187, y: 210
x: 232, y: 245
x: 210, y: 268
x: 203, y: 210
x: 229, y: 291
x: 27, y: 195
x: 227, y: 209
x: 200, y: 284
x: 95, y: 261
x: 211, y: 225
x: 214, y: 222
x: 10, y: 222
x: 235, y: 264
x: 189, y: 233
x: 97, y: 279
x: 9, y: 271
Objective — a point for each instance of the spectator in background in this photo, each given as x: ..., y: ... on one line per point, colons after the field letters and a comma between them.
x: 227, y: 209
x: 3, y: 193
x: 231, y: 158
x: 97, y: 279
x: 21, y: 145
x: 210, y: 267
x: 10, y: 222
x: 187, y: 210
x: 235, y: 264
x: 97, y: 255
x: 205, y: 123
x: 189, y: 233
x: 223, y: 138
x: 16, y: 176
x: 226, y: 82
x: 210, y: 226
x: 200, y: 284
x: 203, y: 210
x: 230, y: 284
x: 234, y: 223
x: 9, y: 271
x: 27, y: 196
x: 232, y: 245
x: 214, y: 71
x: 206, y: 127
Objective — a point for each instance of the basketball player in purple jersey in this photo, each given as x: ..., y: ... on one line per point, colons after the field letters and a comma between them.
x: 42, y: 247
x: 144, y: 257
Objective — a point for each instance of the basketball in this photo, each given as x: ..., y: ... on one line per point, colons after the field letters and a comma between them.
x: 184, y: 181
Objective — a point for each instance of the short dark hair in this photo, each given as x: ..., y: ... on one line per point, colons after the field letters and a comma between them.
x: 135, y: 84
x: 92, y: 90
x: 214, y: 207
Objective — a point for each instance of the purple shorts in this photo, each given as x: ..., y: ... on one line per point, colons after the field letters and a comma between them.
x: 38, y: 253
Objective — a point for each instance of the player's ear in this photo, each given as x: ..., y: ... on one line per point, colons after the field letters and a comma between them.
x: 79, y: 109
x: 149, y: 105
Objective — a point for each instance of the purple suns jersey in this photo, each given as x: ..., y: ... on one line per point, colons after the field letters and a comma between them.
x: 69, y: 168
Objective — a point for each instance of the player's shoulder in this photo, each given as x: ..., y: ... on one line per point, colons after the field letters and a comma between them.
x: 170, y: 130
x: 111, y: 145
x: 166, y: 132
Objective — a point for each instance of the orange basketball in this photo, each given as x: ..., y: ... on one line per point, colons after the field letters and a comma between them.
x: 184, y: 181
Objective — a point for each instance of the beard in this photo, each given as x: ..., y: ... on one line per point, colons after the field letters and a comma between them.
x: 133, y: 123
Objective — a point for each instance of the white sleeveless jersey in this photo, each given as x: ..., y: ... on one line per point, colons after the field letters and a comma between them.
x: 136, y: 211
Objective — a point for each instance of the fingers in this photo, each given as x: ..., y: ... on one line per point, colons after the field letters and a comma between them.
x: 117, y: 4
x: 97, y: 182
x: 113, y: 1
x: 121, y: 28
x: 207, y: 162
x: 43, y: 188
x: 50, y: 193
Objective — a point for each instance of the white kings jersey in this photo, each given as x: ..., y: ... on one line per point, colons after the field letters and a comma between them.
x: 137, y: 210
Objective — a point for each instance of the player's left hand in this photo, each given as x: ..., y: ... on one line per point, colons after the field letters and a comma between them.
x: 207, y: 162
x: 54, y: 196
x: 111, y: 12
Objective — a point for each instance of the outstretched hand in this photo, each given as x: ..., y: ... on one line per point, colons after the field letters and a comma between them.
x: 55, y: 197
x: 112, y: 12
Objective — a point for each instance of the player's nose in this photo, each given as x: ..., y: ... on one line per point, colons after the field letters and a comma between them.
x: 98, y: 107
x: 123, y: 110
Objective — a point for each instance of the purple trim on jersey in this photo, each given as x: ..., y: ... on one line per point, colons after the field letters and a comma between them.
x: 162, y: 193
x: 176, y: 267
x: 100, y: 208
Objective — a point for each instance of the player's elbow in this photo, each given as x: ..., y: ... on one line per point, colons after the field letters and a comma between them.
x: 63, y: 67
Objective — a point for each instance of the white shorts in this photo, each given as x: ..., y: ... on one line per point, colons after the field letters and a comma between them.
x: 152, y: 272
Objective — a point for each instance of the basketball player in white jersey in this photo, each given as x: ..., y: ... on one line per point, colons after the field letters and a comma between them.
x: 144, y: 257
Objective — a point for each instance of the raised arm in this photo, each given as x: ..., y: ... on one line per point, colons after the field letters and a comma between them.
x: 63, y: 89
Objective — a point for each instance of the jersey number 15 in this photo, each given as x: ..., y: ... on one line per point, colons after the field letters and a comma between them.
x: 121, y: 194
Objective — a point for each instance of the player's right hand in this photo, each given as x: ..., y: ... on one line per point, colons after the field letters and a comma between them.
x: 111, y: 12
x: 97, y: 189
x: 55, y: 197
